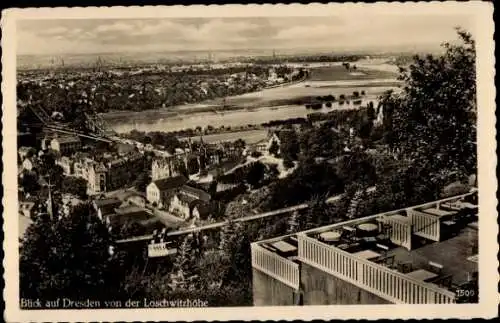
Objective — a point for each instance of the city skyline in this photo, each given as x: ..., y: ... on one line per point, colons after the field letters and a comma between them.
x: 94, y: 36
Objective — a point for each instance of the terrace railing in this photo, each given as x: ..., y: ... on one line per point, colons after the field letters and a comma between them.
x: 425, y: 225
x: 275, y: 266
x: 377, y: 279
x: 400, y: 232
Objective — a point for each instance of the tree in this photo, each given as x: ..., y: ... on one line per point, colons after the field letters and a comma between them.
x: 307, y: 180
x: 438, y: 101
x: 142, y: 181
x: 293, y: 222
x: 29, y: 182
x: 289, y: 144
x: 274, y: 148
x: 370, y: 111
x: 181, y: 168
x: 256, y: 154
x: 183, y: 271
x: 240, y: 143
x: 357, y: 167
x: 227, y: 236
x: 75, y: 185
x: 255, y: 174
x: 287, y: 162
x: 192, y: 166
x: 68, y: 257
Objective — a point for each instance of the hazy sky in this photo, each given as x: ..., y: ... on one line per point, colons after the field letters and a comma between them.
x: 336, y: 33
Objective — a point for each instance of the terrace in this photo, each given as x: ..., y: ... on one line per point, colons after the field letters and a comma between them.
x: 279, y: 259
x: 417, y: 255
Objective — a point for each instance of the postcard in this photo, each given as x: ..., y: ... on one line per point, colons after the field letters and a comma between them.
x: 249, y: 162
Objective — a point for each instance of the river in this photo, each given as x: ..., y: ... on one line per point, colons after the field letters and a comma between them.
x: 256, y: 107
x: 230, y: 118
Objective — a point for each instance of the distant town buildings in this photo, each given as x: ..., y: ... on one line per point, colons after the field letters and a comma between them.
x: 120, y: 215
x: 103, y: 173
x: 265, y: 145
x: 165, y: 167
x: 66, y: 145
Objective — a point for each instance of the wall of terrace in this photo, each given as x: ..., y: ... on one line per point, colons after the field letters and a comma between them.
x: 322, y: 288
x: 275, y: 266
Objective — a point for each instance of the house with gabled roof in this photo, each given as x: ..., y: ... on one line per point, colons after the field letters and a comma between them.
x: 190, y: 202
x: 160, y: 191
x: 106, y: 207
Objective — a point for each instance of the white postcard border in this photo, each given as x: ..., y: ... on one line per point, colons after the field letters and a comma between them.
x: 488, y: 262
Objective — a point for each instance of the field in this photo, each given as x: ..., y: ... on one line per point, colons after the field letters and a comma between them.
x: 302, y: 92
x: 340, y: 73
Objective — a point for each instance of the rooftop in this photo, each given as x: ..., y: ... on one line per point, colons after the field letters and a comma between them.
x: 131, y: 194
x: 170, y: 183
x: 129, y: 209
x: 186, y: 199
x: 196, y: 193
x: 68, y: 139
x: 107, y: 202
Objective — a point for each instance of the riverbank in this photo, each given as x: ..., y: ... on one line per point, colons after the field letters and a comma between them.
x: 249, y: 136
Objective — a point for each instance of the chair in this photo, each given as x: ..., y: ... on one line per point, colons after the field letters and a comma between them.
x: 386, y: 261
x: 405, y: 267
x: 443, y: 281
x: 349, y: 232
x: 435, y: 267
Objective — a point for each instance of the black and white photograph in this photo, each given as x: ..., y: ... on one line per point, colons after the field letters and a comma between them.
x: 251, y: 161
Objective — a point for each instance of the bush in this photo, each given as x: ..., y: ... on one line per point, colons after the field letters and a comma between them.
x: 256, y: 154
x: 288, y: 163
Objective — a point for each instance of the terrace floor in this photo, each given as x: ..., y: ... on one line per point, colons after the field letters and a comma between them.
x: 452, y: 254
